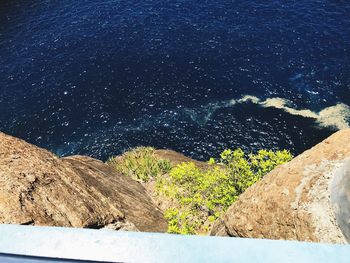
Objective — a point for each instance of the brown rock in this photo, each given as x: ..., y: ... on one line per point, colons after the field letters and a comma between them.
x: 306, y: 199
x: 176, y: 158
x: 38, y: 188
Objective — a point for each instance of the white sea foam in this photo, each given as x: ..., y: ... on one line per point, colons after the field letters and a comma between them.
x: 337, y: 116
x: 250, y: 98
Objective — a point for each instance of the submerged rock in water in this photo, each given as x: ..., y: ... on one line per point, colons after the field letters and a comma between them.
x: 306, y: 199
x: 39, y: 188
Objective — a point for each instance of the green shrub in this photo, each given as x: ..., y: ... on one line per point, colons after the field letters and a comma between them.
x: 180, y: 223
x: 200, y: 197
x: 245, y: 171
x: 195, y: 197
x: 140, y: 163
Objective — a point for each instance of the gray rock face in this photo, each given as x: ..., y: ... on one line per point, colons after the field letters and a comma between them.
x: 340, y: 197
x: 38, y: 188
x: 306, y: 199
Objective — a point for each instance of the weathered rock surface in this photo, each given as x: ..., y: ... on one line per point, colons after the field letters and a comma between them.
x: 306, y: 199
x: 38, y: 188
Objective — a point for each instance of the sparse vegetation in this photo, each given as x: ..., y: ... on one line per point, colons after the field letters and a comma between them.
x: 140, y: 163
x: 199, y: 196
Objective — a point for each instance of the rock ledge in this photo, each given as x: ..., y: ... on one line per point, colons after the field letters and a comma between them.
x: 38, y: 188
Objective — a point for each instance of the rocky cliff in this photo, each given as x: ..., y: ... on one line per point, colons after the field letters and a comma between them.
x: 38, y: 188
x: 306, y: 199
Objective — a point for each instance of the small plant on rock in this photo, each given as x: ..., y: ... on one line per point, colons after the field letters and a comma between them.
x: 140, y: 163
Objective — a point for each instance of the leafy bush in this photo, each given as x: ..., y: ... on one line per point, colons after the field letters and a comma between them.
x: 197, y: 194
x: 195, y: 197
x: 202, y: 196
x: 246, y: 171
x: 140, y: 163
x: 180, y: 223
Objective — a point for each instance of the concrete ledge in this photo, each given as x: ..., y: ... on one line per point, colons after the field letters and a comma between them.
x: 108, y: 245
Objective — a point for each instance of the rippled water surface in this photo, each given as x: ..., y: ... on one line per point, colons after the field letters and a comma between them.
x: 98, y: 77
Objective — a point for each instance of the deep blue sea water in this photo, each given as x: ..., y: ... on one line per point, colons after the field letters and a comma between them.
x: 98, y: 77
